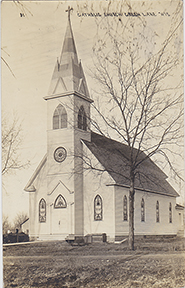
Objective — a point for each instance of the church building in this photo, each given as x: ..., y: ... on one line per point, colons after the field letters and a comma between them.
x: 67, y: 197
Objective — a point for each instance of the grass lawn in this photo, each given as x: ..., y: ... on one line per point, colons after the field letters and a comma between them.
x: 159, y: 263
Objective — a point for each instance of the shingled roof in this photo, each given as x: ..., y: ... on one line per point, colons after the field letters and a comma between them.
x: 114, y: 157
x: 68, y: 74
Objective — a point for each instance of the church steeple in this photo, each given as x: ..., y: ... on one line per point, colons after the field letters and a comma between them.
x: 69, y: 49
x: 68, y: 75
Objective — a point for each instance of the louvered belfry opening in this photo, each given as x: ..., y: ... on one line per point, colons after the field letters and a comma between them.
x: 60, y: 117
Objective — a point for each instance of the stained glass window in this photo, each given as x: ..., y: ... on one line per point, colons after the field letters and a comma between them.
x: 157, y: 211
x: 42, y: 210
x: 60, y: 202
x: 142, y: 210
x: 125, y: 209
x: 98, y: 208
x: 170, y: 212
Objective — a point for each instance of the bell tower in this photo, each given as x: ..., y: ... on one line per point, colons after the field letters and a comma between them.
x: 68, y: 122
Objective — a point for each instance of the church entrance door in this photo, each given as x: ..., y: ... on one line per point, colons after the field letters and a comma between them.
x: 59, y: 221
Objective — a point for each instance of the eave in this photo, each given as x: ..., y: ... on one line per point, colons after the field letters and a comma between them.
x: 29, y: 187
x: 68, y: 94
x: 144, y: 190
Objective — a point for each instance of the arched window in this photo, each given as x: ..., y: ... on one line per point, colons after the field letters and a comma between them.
x: 125, y: 210
x: 170, y: 212
x: 98, y: 208
x: 60, y: 117
x: 142, y: 210
x: 60, y: 202
x: 42, y: 210
x: 82, y: 119
x: 157, y: 211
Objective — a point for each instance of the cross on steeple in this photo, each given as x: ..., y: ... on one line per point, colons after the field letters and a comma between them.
x: 69, y: 9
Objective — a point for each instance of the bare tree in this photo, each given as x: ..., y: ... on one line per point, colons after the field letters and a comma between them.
x: 11, y: 141
x: 6, y: 224
x: 19, y: 219
x: 136, y: 70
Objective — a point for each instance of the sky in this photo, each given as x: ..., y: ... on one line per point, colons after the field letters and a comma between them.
x: 32, y: 38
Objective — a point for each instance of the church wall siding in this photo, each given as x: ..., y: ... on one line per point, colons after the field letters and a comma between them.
x: 180, y: 219
x: 79, y: 209
x: 149, y: 226
x: 32, y: 212
x: 121, y: 226
x: 60, y: 138
x: 40, y: 183
x: 78, y: 165
x: 95, y: 184
x: 41, y: 192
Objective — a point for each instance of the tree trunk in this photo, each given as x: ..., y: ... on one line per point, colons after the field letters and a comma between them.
x: 131, y: 213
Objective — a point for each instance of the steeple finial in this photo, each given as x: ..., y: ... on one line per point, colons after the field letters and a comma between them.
x: 69, y: 11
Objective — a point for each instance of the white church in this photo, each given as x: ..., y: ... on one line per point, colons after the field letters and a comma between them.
x: 69, y: 201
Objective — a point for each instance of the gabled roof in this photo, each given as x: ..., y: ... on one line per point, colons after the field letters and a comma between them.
x: 30, y: 187
x: 114, y: 157
x: 68, y: 73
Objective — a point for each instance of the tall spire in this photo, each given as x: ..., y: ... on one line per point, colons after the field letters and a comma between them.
x: 68, y: 74
x: 69, y: 49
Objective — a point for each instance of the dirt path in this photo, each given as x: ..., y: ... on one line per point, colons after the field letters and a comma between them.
x: 126, y: 257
